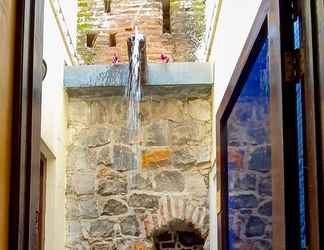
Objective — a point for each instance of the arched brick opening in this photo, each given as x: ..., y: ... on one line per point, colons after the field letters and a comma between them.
x: 178, y: 235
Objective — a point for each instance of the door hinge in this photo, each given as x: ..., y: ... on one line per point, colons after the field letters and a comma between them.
x: 294, y: 63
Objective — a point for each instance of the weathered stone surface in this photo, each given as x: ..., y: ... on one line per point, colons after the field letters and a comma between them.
x: 255, y: 227
x: 156, y: 134
x: 81, y: 245
x: 102, y: 246
x: 124, y: 158
x: 265, y: 186
x: 184, y: 156
x: 156, y: 157
x: 130, y: 226
x: 266, y: 209
x: 114, y: 207
x: 246, y: 182
x: 88, y: 208
x: 73, y: 231
x: 112, y: 186
x: 105, y: 156
x: 203, y: 154
x: 78, y: 112
x: 98, y: 113
x: 169, y: 181
x: 243, y: 201
x: 141, y: 183
x: 98, y: 137
x: 78, y: 159
x: 235, y: 158
x: 98, y: 195
x: 101, y: 228
x: 195, y: 184
x: 143, y: 200
x: 200, y: 109
x: 72, y: 208
x: 261, y: 160
x: 84, y: 183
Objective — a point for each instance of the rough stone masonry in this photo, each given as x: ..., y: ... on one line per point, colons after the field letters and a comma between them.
x: 102, y: 211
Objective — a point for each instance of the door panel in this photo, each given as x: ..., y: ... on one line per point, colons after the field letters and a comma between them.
x: 249, y: 160
x: 266, y: 134
x: 250, y: 142
x: 7, y: 20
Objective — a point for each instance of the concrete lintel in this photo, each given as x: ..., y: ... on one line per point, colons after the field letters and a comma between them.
x: 170, y: 74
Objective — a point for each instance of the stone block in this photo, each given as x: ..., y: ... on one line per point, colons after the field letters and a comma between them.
x: 184, y: 156
x: 195, y: 184
x: 78, y: 112
x: 98, y: 113
x: 73, y: 232
x: 78, y: 159
x: 200, y: 109
x: 243, y: 201
x: 130, y: 226
x: 105, y: 156
x: 98, y: 137
x: 143, y: 200
x: 265, y: 209
x: 84, y: 183
x: 156, y: 157
x: 255, y: 227
x: 101, y: 229
x: 141, y: 183
x: 114, y: 207
x: 260, y: 160
x: 156, y: 134
x: 265, y: 186
x: 72, y: 208
x: 169, y: 181
x: 113, y: 185
x: 124, y: 158
x: 88, y: 208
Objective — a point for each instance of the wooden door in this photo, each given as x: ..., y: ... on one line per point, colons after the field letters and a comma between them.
x: 266, y: 136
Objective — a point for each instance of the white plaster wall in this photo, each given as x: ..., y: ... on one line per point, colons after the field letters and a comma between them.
x: 54, y: 126
x: 233, y: 26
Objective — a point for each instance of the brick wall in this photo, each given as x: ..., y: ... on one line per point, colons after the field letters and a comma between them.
x: 186, y: 28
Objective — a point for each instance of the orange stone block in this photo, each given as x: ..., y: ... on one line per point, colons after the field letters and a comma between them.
x: 155, y: 157
x: 138, y: 246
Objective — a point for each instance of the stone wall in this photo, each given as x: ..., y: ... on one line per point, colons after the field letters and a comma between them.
x: 249, y: 175
x: 102, y: 210
x: 180, y: 43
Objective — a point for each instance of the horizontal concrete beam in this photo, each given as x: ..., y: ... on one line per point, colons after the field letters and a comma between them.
x: 179, y: 79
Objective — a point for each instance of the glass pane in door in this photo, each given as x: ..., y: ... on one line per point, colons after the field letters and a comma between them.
x: 249, y: 179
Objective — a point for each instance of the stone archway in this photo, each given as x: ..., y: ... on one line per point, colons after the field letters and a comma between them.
x: 178, y: 235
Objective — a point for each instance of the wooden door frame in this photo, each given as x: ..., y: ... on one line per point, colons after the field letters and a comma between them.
x: 282, y: 98
x: 266, y: 21
x: 317, y: 11
x: 26, y: 125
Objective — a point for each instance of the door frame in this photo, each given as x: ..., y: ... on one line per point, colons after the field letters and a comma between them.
x: 26, y: 125
x: 317, y: 11
x: 266, y: 21
x: 282, y: 101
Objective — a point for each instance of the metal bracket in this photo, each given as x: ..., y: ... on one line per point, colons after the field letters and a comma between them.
x: 294, y: 65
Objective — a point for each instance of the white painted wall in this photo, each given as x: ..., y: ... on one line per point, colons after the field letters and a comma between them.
x: 232, y: 29
x: 54, y: 124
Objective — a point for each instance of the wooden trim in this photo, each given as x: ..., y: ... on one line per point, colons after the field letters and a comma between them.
x: 318, y: 41
x: 267, y: 20
x: 26, y: 121
x: 277, y: 143
x: 312, y: 212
